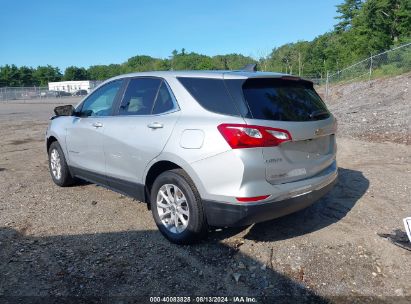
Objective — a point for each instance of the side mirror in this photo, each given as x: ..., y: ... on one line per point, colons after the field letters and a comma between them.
x: 86, y: 113
x: 67, y: 110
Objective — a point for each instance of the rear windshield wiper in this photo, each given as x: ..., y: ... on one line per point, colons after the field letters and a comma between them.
x: 318, y: 114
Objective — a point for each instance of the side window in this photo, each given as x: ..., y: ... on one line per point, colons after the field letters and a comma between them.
x: 139, y: 96
x: 164, y: 101
x: 100, y: 103
x: 211, y: 94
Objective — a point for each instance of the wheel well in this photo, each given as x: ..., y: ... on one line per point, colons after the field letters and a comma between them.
x: 50, y: 140
x: 155, y: 171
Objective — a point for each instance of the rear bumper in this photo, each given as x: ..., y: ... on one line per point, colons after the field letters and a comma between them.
x: 222, y: 214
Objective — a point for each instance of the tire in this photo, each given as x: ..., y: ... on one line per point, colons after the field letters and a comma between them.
x: 187, y: 201
x: 58, y: 167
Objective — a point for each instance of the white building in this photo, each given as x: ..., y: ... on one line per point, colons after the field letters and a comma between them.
x: 72, y: 86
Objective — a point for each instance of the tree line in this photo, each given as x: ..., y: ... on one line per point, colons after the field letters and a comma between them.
x: 13, y: 76
x: 363, y: 28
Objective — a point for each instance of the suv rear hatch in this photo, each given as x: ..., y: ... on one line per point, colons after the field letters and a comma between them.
x: 292, y: 105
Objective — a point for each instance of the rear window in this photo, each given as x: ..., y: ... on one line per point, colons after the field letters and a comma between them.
x: 284, y: 100
x: 211, y: 94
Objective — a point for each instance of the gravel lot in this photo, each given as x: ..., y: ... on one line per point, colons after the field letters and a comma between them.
x: 377, y: 110
x: 87, y: 241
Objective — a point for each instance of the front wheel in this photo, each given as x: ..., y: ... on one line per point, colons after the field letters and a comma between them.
x: 58, y: 167
x: 177, y: 208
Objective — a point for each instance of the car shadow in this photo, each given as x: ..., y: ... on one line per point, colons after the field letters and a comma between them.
x: 81, y: 182
x: 131, y: 266
x: 334, y: 206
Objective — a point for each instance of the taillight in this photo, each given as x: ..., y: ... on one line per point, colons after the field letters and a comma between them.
x: 240, y: 136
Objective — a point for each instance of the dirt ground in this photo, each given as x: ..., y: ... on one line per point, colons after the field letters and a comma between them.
x: 88, y: 242
x: 378, y: 110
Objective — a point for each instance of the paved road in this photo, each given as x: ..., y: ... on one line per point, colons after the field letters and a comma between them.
x: 33, y: 109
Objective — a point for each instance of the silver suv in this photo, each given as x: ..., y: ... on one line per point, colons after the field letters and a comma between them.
x: 221, y: 148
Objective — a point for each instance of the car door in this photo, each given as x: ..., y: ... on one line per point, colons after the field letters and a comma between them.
x: 84, y: 137
x: 138, y: 132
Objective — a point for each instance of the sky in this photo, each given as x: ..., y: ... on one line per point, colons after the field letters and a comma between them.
x: 89, y: 32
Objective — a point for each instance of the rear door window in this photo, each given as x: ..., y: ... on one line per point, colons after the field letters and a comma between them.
x: 139, y: 96
x: 283, y: 100
x: 211, y: 94
x: 164, y: 102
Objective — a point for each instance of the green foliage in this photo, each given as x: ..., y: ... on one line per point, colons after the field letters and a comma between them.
x: 347, y: 12
x: 12, y: 76
x: 9, y: 75
x: 393, y: 63
x: 45, y: 74
x: 141, y: 63
x: 381, y: 24
x: 190, y: 61
x: 75, y: 73
x: 101, y: 72
x: 363, y: 28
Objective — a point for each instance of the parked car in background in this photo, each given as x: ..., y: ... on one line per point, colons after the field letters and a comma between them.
x: 62, y: 94
x: 45, y: 94
x: 80, y: 93
x: 200, y: 148
x: 29, y: 95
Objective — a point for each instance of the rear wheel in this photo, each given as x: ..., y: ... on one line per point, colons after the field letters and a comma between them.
x: 177, y: 208
x: 58, y: 167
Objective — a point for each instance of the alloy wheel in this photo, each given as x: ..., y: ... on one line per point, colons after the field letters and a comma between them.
x: 172, y: 208
x: 55, y: 163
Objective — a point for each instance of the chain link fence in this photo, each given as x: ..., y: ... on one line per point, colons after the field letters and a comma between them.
x: 29, y: 93
x: 393, y: 62
x: 25, y: 93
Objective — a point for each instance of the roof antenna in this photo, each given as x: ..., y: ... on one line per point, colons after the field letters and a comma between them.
x: 252, y: 67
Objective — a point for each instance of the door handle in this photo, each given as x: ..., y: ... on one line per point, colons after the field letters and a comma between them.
x: 97, y: 124
x: 155, y: 125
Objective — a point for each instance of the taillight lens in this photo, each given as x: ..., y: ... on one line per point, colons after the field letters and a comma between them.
x: 240, y: 136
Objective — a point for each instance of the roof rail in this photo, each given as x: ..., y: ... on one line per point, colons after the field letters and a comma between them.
x: 252, y: 67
